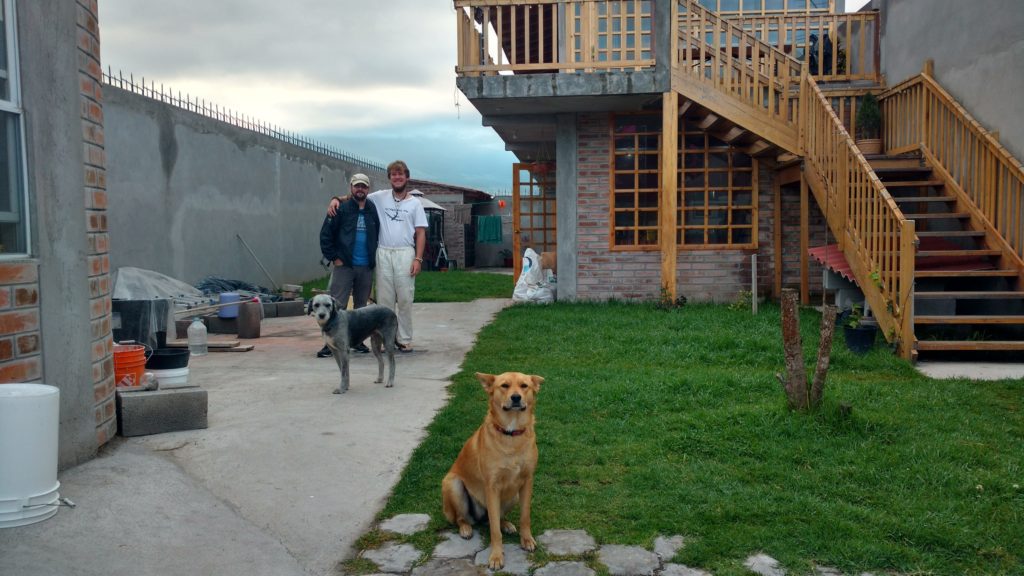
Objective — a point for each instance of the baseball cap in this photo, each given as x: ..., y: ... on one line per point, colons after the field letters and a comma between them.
x: 359, y: 179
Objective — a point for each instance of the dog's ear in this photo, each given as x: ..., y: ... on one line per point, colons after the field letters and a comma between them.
x: 309, y: 306
x: 486, y: 379
x: 536, y: 382
x: 335, y: 305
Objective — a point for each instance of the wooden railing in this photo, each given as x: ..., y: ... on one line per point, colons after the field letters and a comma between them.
x: 533, y: 36
x: 919, y: 114
x: 837, y: 47
x: 717, y: 51
x: 878, y: 242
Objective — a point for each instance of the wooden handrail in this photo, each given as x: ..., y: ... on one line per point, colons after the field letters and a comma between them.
x: 878, y: 242
x: 919, y: 113
x: 854, y: 52
x: 533, y: 36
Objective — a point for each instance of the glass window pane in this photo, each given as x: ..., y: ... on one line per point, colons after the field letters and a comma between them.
x: 625, y: 219
x: 647, y: 143
x: 742, y: 217
x: 751, y: 5
x: 718, y: 217
x: 694, y: 180
x: 694, y: 218
x: 648, y: 218
x: 5, y: 85
x: 622, y: 144
x: 742, y: 236
x: 718, y: 198
x: 624, y: 162
x: 624, y: 182
x: 718, y: 160
x: 648, y: 238
x: 624, y: 238
x: 694, y: 199
x: 694, y: 236
x: 718, y: 179
x: 742, y: 198
x: 649, y: 181
x: 12, y: 215
x: 741, y: 179
x: 728, y: 5
x: 740, y: 160
x: 647, y: 162
x: 648, y: 199
x: 624, y: 200
x: 693, y: 160
x: 718, y: 236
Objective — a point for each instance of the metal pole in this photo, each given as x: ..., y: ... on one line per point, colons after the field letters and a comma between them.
x: 258, y: 263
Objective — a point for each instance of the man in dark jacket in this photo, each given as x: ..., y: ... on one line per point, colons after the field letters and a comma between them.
x: 349, y: 241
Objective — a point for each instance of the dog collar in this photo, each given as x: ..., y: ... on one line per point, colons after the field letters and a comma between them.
x: 507, y: 433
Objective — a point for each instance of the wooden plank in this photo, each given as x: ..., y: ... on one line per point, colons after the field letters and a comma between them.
x: 212, y: 344
x: 968, y: 252
x: 951, y: 345
x: 986, y: 295
x: 668, y: 213
x: 906, y: 199
x: 962, y: 273
x: 988, y: 320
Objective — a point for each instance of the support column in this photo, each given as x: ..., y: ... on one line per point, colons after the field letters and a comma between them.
x: 805, y: 242
x: 566, y: 196
x: 667, y: 204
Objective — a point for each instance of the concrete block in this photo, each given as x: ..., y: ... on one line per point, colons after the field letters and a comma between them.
x: 217, y: 325
x: 270, y: 309
x: 159, y: 411
x: 291, y: 308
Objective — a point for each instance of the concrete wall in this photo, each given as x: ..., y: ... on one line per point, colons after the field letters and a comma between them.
x: 184, y: 186
x: 978, y: 49
x: 55, y: 303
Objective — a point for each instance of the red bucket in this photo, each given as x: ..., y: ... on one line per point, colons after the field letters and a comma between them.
x: 129, y: 364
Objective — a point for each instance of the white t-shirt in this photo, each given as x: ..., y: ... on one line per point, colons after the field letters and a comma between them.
x: 398, y: 220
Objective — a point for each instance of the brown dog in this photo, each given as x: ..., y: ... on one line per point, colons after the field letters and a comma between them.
x: 495, y: 466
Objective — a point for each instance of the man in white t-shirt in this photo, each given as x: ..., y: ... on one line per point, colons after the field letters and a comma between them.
x: 403, y: 237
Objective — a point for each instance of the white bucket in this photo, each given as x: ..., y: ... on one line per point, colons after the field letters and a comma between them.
x: 172, y: 378
x: 29, y: 423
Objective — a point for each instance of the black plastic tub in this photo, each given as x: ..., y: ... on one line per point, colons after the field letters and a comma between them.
x: 168, y: 359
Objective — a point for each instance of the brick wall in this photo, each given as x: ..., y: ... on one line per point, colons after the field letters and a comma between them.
x: 20, y: 359
x: 97, y: 238
x: 702, y: 275
x: 791, y: 241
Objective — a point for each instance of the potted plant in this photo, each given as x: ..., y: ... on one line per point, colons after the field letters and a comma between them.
x: 869, y: 125
x: 506, y: 257
x: 860, y: 334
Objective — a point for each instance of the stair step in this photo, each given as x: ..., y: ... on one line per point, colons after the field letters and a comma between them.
x: 964, y: 273
x: 962, y: 319
x: 970, y: 295
x: 938, y: 216
x: 950, y: 345
x: 899, y: 199
x: 888, y: 170
x: 951, y: 234
x: 973, y: 253
x: 913, y: 183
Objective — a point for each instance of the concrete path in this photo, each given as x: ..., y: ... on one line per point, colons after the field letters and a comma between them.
x: 283, y: 481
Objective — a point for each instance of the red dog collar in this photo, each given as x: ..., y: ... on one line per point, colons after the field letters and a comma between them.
x: 507, y: 433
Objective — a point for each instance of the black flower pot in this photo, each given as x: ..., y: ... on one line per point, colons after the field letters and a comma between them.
x: 860, y: 339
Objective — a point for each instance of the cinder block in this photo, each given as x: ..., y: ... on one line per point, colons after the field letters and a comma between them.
x: 291, y: 308
x: 158, y: 411
x: 270, y: 309
x: 217, y: 325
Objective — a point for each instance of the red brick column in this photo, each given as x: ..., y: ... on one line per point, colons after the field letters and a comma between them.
x: 20, y: 359
x: 97, y: 240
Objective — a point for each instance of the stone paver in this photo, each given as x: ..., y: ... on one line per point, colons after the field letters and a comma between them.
x: 449, y: 567
x: 666, y: 548
x: 567, y: 542
x: 564, y: 569
x: 764, y: 565
x: 458, y: 557
x: 682, y: 570
x: 395, y: 558
x: 455, y: 546
x: 628, y: 560
x: 516, y: 561
x: 406, y: 523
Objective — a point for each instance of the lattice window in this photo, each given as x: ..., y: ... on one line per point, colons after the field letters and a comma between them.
x: 718, y: 197
x: 622, y: 31
x: 636, y: 141
x: 729, y: 8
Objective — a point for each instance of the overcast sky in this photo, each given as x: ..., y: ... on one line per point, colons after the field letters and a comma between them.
x: 374, y: 78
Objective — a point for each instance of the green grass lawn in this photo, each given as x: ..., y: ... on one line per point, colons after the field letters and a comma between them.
x: 672, y: 422
x: 453, y: 286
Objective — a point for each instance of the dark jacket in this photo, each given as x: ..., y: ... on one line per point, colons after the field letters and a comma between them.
x: 338, y: 233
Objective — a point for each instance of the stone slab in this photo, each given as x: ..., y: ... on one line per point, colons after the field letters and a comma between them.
x: 516, y: 561
x: 564, y: 569
x: 764, y: 565
x: 628, y: 560
x: 158, y: 411
x: 449, y: 567
x: 406, y: 523
x: 392, y: 557
x: 567, y: 542
x: 682, y: 570
x: 666, y: 547
x: 455, y: 546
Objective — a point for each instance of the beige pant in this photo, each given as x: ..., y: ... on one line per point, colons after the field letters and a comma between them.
x: 396, y: 286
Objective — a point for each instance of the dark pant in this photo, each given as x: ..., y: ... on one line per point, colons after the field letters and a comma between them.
x: 354, y: 281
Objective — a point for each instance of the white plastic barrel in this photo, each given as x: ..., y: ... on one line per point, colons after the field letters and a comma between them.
x: 29, y: 422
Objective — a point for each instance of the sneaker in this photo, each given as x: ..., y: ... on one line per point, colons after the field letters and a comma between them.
x: 324, y: 352
x: 360, y: 347
x: 404, y: 348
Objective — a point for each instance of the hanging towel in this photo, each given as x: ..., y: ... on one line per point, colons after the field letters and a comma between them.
x: 488, y: 229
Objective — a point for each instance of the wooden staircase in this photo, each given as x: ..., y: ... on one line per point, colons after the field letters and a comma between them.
x: 966, y: 296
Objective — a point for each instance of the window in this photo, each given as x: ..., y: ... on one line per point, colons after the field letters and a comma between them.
x: 636, y: 140
x: 13, y: 221
x: 718, y: 193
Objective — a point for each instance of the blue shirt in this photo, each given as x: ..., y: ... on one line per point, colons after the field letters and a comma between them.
x: 359, y: 255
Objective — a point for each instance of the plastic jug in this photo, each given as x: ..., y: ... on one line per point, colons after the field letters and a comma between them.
x: 197, y: 337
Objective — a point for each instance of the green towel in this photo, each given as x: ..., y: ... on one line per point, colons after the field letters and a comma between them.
x: 488, y: 229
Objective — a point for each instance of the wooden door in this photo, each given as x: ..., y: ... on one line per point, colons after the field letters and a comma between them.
x: 533, y: 210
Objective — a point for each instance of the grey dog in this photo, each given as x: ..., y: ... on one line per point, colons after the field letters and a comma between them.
x: 341, y: 328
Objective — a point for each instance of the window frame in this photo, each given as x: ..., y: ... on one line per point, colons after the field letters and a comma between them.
x: 12, y: 105
x: 649, y: 231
